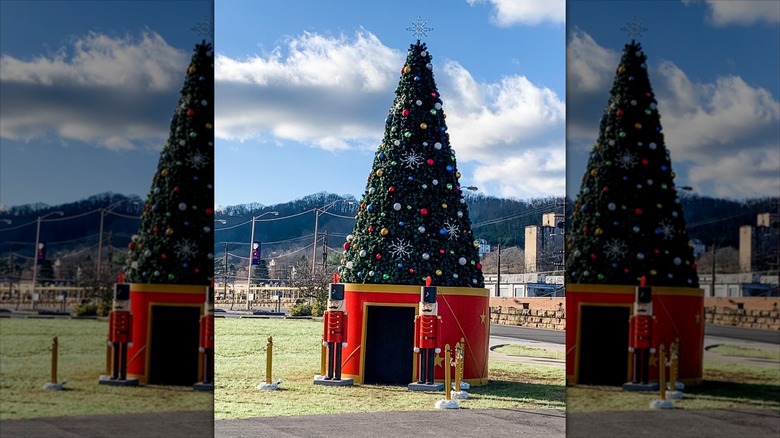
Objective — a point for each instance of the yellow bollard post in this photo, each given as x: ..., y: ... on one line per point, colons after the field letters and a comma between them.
x: 323, y: 357
x: 673, y: 368
x: 447, y: 365
x: 662, y: 371
x: 268, y: 356
x: 108, y: 357
x: 54, y: 352
x: 458, y: 365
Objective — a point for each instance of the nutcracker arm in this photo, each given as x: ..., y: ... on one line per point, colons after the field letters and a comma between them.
x: 344, y: 332
x: 417, y: 333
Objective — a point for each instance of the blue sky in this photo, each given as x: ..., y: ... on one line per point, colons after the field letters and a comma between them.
x: 303, y: 88
x: 715, y: 70
x: 87, y: 90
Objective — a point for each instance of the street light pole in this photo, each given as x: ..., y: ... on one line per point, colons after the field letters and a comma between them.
x: 251, y: 251
x: 103, y: 212
x: 317, y: 212
x: 37, y: 243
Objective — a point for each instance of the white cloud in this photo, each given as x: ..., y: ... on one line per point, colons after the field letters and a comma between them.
x: 323, y: 91
x: 725, y: 131
x: 312, y: 91
x: 114, y: 92
x: 512, y: 128
x: 590, y: 70
x: 743, y: 12
x: 526, y: 12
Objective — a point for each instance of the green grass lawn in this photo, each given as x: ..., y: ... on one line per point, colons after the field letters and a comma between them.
x: 25, y: 365
x: 240, y: 366
x: 521, y: 350
x: 726, y: 385
x: 740, y: 351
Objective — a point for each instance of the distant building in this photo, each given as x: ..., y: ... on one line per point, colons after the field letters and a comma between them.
x: 544, y: 244
x: 758, y: 246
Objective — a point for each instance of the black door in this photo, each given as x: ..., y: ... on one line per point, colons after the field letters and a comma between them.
x: 173, y: 348
x: 389, y: 345
x: 603, y: 345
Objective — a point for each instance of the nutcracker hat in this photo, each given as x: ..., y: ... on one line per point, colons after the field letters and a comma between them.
x: 428, y: 294
x: 121, y: 291
x: 336, y: 291
x: 643, y: 293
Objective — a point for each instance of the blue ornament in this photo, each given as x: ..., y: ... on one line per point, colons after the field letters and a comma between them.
x: 442, y: 231
x: 400, y: 265
x: 401, y: 224
x: 387, y: 120
x: 411, y: 178
x: 381, y: 155
x: 449, y: 168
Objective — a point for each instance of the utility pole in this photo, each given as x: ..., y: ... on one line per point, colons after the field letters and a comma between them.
x: 324, y: 250
x: 498, y: 271
x: 713, y: 269
x: 224, y: 276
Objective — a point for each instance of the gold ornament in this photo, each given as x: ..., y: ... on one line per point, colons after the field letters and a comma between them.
x: 594, y: 172
x: 599, y: 231
x: 476, y: 244
x: 438, y: 272
x: 444, y: 206
x: 457, y: 174
x: 164, y: 172
x: 407, y: 69
x: 384, y: 232
x: 423, y: 126
x: 169, y: 232
x: 380, y: 172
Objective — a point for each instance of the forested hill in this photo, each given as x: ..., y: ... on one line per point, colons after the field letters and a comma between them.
x: 497, y: 220
x: 71, y: 226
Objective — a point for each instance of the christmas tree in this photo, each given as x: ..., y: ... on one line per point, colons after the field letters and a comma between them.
x: 175, y: 241
x: 627, y: 221
x: 413, y: 221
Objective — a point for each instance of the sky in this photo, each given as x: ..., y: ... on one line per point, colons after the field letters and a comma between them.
x: 715, y: 70
x: 303, y: 88
x: 87, y: 91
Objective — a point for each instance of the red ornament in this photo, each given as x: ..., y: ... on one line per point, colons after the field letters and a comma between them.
x: 378, y: 256
x: 411, y: 270
x: 693, y: 265
x: 190, y: 112
x: 620, y: 113
x: 638, y: 211
x: 593, y: 256
x: 155, y: 229
x: 346, y: 245
x: 479, y: 266
x: 585, y: 229
x: 131, y: 246
x: 164, y: 256
x: 371, y: 229
x: 423, y: 211
x: 645, y: 161
x: 209, y: 211
x: 429, y: 161
x: 176, y: 189
x: 197, y: 270
x: 405, y: 112
x: 605, y: 189
x: 433, y: 94
x: 391, y: 189
x: 441, y: 251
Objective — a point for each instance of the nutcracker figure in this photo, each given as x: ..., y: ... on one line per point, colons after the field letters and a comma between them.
x: 206, y: 344
x: 641, y: 342
x: 427, y: 333
x: 120, y: 329
x: 335, y: 333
